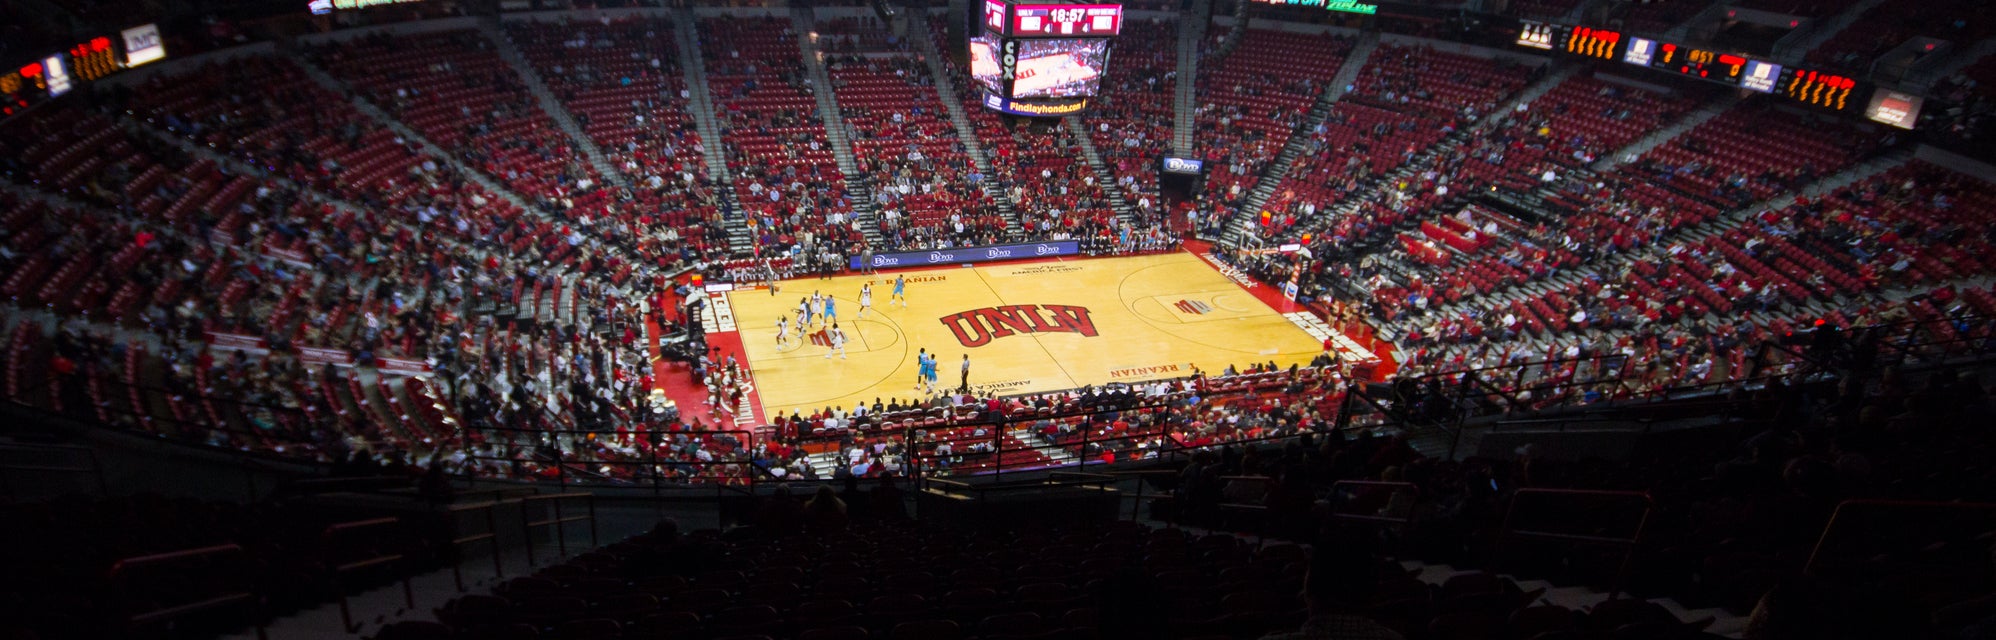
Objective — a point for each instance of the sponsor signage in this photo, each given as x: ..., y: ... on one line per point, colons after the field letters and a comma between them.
x: 400, y: 367
x: 142, y: 45
x: 1537, y: 35
x: 292, y: 256
x: 1008, y: 65
x: 317, y: 356
x: 1346, y: 6
x: 1760, y: 76
x: 991, y: 253
x: 57, y: 74
x: 1186, y: 166
x: 235, y: 341
x: 1038, y: 108
x: 1901, y: 110
x: 1640, y: 52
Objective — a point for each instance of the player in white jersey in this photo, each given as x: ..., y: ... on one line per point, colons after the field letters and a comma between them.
x: 838, y: 338
x: 782, y: 331
x: 818, y: 307
x: 865, y: 299
x: 803, y: 314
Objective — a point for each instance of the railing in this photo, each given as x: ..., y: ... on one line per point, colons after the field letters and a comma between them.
x: 559, y: 522
x: 330, y: 541
x: 1249, y: 511
x: 50, y: 459
x: 1143, y: 477
x: 1510, y: 530
x: 1933, y: 339
x: 981, y: 491
x: 1869, y: 530
x: 278, y: 433
x: 121, y: 579
x: 1346, y: 492
x: 591, y: 458
x: 460, y: 539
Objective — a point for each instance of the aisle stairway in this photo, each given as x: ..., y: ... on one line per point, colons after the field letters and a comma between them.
x: 509, y: 51
x: 1442, y: 148
x: 1616, y: 262
x: 1103, y: 176
x: 1271, y: 177
x: 864, y: 209
x: 1656, y: 138
x: 965, y: 132
x: 360, y: 104
x: 1184, y: 100
x: 701, y: 102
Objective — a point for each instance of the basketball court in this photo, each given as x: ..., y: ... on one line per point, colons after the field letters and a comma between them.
x: 1028, y: 327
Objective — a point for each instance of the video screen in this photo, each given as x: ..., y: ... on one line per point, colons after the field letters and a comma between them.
x: 1059, y: 68
x: 984, y: 62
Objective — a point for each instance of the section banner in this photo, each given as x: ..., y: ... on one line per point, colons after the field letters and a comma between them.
x: 957, y: 255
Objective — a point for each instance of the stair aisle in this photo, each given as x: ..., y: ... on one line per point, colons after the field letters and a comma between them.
x: 701, y: 104
x: 965, y: 133
x: 361, y: 104
x: 803, y: 21
x: 1117, y: 202
x: 1184, y: 102
x: 1273, y: 174
x: 510, y: 52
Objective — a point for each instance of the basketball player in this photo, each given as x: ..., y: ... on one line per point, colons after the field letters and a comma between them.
x: 803, y: 314
x: 838, y: 339
x: 782, y: 331
x: 930, y: 380
x: 817, y: 308
x: 831, y: 310
x: 900, y: 292
x: 865, y: 300
x: 921, y: 367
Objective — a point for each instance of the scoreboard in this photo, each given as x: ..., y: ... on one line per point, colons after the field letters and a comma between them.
x: 1807, y: 86
x: 1032, y: 20
x: 50, y: 76
x: 1038, y: 59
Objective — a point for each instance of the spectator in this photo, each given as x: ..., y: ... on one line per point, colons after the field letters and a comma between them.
x: 1341, y: 578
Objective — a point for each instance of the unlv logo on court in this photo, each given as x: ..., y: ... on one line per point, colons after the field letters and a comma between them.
x: 977, y: 327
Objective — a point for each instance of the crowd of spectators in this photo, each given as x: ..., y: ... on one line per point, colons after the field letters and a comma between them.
x: 785, y: 176
x: 928, y: 191
x: 1131, y: 120
x: 1251, y: 100
x: 363, y: 245
x: 623, y: 82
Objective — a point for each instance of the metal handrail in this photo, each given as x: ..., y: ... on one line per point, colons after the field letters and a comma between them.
x: 559, y: 522
x: 460, y: 539
x: 1830, y: 528
x: 1508, y: 531
x: 247, y: 595
x: 1405, y: 523
x: 95, y: 468
x: 344, y: 529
